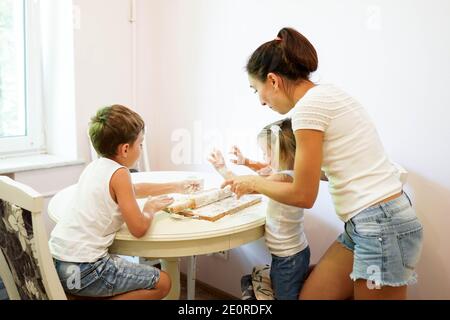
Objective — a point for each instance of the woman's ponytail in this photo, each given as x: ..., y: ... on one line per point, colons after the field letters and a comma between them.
x: 290, y: 55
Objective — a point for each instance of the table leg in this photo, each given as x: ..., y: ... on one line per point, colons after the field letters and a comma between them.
x: 191, y: 275
x: 172, y: 267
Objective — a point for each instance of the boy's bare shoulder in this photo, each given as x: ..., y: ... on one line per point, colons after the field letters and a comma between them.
x: 120, y: 176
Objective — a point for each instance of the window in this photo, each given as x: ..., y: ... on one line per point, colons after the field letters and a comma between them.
x: 21, y: 126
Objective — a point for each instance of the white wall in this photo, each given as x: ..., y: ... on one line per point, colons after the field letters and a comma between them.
x: 103, y: 59
x: 103, y: 74
x: 392, y: 55
x: 190, y: 59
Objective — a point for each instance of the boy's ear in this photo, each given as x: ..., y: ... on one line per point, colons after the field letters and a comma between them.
x: 122, y: 150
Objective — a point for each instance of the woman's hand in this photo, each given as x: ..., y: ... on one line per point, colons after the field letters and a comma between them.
x: 242, y: 185
x: 240, y: 159
x: 217, y: 160
x: 155, y: 204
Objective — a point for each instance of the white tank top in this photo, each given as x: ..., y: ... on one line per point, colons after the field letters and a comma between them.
x: 88, y: 227
x: 285, y: 235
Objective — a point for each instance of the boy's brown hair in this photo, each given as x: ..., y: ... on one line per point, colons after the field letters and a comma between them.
x: 113, y: 126
x: 280, y: 132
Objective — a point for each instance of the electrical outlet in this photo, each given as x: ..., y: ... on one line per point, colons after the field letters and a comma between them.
x: 222, y: 255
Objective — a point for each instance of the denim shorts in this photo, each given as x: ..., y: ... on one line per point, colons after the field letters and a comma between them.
x: 107, y: 277
x: 288, y: 274
x: 386, y: 240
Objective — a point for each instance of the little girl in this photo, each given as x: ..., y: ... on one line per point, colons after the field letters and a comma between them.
x: 104, y: 200
x: 284, y: 235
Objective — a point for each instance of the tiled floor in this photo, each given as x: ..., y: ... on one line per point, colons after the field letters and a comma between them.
x: 203, y: 292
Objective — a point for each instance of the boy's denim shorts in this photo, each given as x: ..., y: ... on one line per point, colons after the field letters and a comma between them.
x: 288, y: 274
x: 386, y: 240
x: 107, y: 277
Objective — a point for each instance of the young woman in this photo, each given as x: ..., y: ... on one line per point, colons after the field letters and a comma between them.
x: 375, y: 257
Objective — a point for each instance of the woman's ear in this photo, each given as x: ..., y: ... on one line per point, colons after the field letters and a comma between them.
x: 273, y: 80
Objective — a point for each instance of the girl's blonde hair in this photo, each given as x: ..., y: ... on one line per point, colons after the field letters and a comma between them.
x: 280, y: 142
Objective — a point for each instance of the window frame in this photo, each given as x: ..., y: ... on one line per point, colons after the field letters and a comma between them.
x: 33, y: 142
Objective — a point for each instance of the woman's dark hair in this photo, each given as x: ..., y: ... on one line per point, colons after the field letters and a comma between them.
x: 290, y: 55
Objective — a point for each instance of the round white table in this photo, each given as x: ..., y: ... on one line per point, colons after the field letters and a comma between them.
x: 169, y: 239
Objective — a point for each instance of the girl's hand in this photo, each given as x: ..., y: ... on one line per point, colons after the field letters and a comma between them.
x: 242, y: 185
x: 240, y: 159
x: 217, y: 160
x: 156, y: 204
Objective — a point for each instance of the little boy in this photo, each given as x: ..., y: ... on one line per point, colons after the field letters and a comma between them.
x: 104, y: 200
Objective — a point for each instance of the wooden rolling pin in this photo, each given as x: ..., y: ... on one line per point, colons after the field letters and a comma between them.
x: 199, y: 200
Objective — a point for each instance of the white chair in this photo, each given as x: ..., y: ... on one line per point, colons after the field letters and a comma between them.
x: 26, y: 265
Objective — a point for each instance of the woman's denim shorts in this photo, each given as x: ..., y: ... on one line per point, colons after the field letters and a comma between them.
x: 107, y: 277
x: 386, y: 240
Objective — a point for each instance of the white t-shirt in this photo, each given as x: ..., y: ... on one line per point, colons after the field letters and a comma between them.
x: 284, y: 228
x: 86, y: 231
x: 360, y: 173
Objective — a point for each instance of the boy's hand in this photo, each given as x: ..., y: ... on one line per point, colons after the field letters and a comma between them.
x: 240, y: 159
x: 189, y: 186
x: 217, y: 160
x: 156, y: 204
